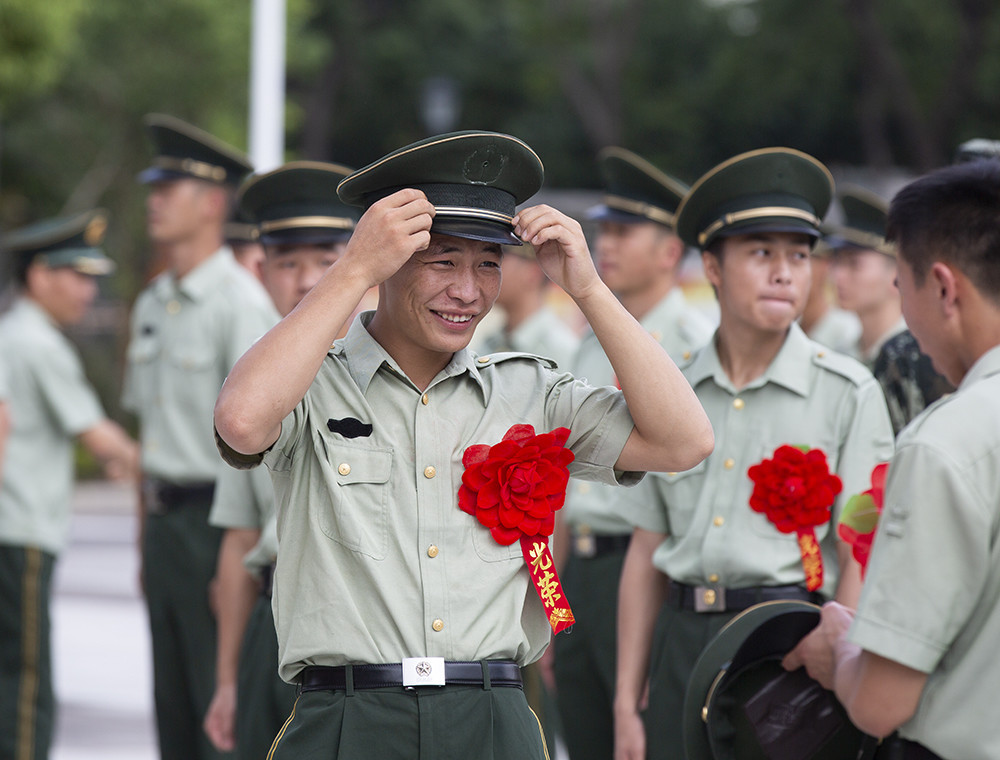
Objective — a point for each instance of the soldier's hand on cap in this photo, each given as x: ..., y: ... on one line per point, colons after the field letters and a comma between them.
x: 817, y: 651
x: 389, y: 233
x: 560, y: 247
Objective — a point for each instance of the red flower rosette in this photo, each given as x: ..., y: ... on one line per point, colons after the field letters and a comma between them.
x: 861, y: 515
x: 795, y: 490
x: 514, y: 489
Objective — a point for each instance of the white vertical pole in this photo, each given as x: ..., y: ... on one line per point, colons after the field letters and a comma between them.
x: 267, y: 85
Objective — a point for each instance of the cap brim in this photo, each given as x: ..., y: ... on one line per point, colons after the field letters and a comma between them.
x: 604, y: 213
x: 156, y: 174
x: 305, y: 236
x: 750, y: 227
x: 476, y: 230
x: 715, y: 659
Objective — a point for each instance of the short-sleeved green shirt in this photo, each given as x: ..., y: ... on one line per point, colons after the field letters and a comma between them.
x: 680, y: 329
x: 543, y: 333
x: 808, y: 396
x: 245, y: 499
x: 931, y: 596
x: 185, y: 336
x: 377, y: 562
x: 50, y: 404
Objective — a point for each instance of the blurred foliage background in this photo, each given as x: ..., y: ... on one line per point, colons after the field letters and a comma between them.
x: 883, y: 84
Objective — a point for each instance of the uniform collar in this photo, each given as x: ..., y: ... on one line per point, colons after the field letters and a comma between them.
x: 32, y: 310
x: 365, y: 356
x: 791, y: 368
x: 200, y: 282
x: 986, y: 365
x: 665, y: 311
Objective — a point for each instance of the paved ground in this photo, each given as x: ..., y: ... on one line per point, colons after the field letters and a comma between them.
x: 100, y: 644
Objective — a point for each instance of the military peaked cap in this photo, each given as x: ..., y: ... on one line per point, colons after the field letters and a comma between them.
x: 184, y: 151
x: 71, y: 242
x: 636, y: 191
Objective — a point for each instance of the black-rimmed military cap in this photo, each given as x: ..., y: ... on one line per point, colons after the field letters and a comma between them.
x: 766, y: 190
x: 635, y: 190
x: 977, y: 149
x: 741, y: 704
x: 865, y: 215
x: 64, y: 242
x: 298, y: 204
x: 474, y: 179
x: 184, y: 151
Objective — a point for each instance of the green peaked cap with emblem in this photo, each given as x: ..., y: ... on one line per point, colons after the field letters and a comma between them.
x: 474, y: 179
x: 865, y: 215
x: 184, y: 151
x: 766, y: 190
x: 64, y: 242
x: 741, y: 704
x: 635, y: 190
x: 298, y: 204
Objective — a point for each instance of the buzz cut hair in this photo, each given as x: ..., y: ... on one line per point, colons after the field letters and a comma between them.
x: 951, y: 215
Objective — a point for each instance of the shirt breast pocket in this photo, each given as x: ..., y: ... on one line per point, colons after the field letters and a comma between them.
x: 357, y: 483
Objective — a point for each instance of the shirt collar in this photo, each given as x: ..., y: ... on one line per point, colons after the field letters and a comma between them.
x: 34, y: 311
x: 666, y: 310
x: 200, y: 282
x: 791, y: 367
x: 365, y: 356
x: 986, y: 365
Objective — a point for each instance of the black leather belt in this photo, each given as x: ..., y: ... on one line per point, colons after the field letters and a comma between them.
x: 267, y: 580
x: 721, y: 599
x: 161, y: 497
x: 591, y: 545
x: 319, y: 678
x: 897, y: 748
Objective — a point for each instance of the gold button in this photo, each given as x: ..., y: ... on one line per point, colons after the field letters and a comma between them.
x: 718, y: 521
x: 173, y: 307
x: 583, y: 488
x: 713, y: 578
x: 483, y: 360
x: 430, y: 471
x: 729, y: 463
x: 738, y: 404
x: 709, y: 597
x: 344, y: 469
x: 656, y: 335
x: 438, y: 625
x: 424, y: 400
x: 686, y: 355
x: 432, y: 551
x: 821, y: 354
x: 671, y: 474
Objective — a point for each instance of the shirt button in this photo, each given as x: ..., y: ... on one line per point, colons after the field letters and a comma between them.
x: 718, y: 521
x: 173, y: 307
x: 424, y: 400
x: 344, y: 469
x: 432, y: 551
x: 656, y: 335
x: 430, y: 471
x: 738, y: 404
x: 483, y: 360
x: 438, y: 625
x: 729, y: 463
x: 686, y: 355
x: 713, y: 578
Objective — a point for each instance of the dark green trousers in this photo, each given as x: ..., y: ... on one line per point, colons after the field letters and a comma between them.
x: 179, y: 556
x: 263, y: 700
x: 585, y: 657
x: 27, y: 704
x: 678, y: 640
x: 429, y: 723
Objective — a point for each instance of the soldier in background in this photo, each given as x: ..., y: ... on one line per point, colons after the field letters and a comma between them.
x: 638, y: 255
x: 531, y: 325
x: 303, y: 228
x: 188, y: 328
x: 51, y: 405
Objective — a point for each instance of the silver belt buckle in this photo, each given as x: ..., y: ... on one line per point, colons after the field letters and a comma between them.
x: 584, y: 545
x: 423, y: 671
x: 709, y: 599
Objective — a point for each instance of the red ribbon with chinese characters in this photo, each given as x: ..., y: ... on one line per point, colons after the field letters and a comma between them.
x: 795, y: 490
x: 514, y: 489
